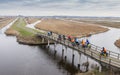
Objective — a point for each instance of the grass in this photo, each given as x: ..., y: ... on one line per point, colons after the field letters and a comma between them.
x: 24, y: 34
x: 19, y: 26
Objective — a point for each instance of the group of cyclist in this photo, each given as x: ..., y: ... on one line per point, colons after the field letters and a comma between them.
x: 75, y: 42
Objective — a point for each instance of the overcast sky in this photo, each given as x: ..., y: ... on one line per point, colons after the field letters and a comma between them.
x: 60, y: 7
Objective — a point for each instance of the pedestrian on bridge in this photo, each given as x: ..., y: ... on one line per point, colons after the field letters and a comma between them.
x: 104, y: 52
x: 83, y: 43
x: 73, y: 41
x: 88, y: 45
x: 59, y: 37
x: 64, y: 38
x: 69, y: 38
x: 49, y: 33
x: 77, y: 41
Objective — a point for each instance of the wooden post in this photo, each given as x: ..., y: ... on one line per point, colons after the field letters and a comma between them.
x: 62, y: 54
x: 118, y: 56
x: 96, y: 48
x: 109, y: 61
x: 48, y: 43
x: 79, y: 61
x: 73, y: 58
x: 62, y: 46
x: 55, y: 49
x: 91, y: 53
x: 109, y: 53
x: 54, y: 45
x: 100, y: 57
x: 66, y: 54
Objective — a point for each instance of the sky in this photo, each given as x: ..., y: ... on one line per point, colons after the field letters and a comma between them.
x: 60, y: 7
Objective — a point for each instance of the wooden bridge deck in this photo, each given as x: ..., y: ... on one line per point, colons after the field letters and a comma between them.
x: 94, y: 52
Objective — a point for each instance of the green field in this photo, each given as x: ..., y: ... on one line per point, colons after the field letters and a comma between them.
x: 19, y: 26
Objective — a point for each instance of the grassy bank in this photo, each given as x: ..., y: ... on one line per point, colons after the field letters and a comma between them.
x: 92, y: 73
x: 24, y: 35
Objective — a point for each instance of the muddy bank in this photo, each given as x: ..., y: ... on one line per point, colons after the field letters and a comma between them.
x: 69, y: 28
x: 30, y: 40
x: 11, y: 32
x: 117, y: 43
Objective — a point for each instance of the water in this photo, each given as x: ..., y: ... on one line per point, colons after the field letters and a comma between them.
x: 18, y: 59
x: 32, y: 25
x: 107, y: 39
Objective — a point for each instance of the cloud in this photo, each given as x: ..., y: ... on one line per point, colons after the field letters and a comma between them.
x: 73, y: 7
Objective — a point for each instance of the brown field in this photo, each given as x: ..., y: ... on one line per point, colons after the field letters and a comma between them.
x: 11, y: 32
x: 103, y: 22
x: 69, y: 28
x: 31, y: 20
x: 117, y: 43
x: 5, y: 22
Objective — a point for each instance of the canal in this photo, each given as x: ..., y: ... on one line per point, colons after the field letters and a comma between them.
x: 18, y: 59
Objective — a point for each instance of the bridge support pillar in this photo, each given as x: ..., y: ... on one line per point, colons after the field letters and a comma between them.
x: 54, y: 45
x: 55, y: 51
x: 48, y: 44
x: 79, y: 61
x: 62, y: 54
x: 66, y: 53
x: 73, y: 56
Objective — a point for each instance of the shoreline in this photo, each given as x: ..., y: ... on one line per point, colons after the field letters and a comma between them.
x: 78, y: 36
x: 117, y: 43
x: 69, y: 28
x: 32, y: 40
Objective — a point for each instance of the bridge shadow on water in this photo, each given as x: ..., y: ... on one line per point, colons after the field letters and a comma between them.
x: 71, y: 68
x: 61, y: 63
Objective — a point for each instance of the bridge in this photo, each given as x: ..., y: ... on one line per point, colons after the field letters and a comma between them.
x: 113, y: 59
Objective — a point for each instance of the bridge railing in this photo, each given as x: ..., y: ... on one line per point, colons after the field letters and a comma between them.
x: 110, y: 53
x: 93, y: 47
x: 95, y: 51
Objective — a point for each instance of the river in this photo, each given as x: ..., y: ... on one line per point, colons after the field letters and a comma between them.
x: 107, y: 39
x: 18, y: 59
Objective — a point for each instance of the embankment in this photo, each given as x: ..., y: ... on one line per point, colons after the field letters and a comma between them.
x: 23, y: 34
